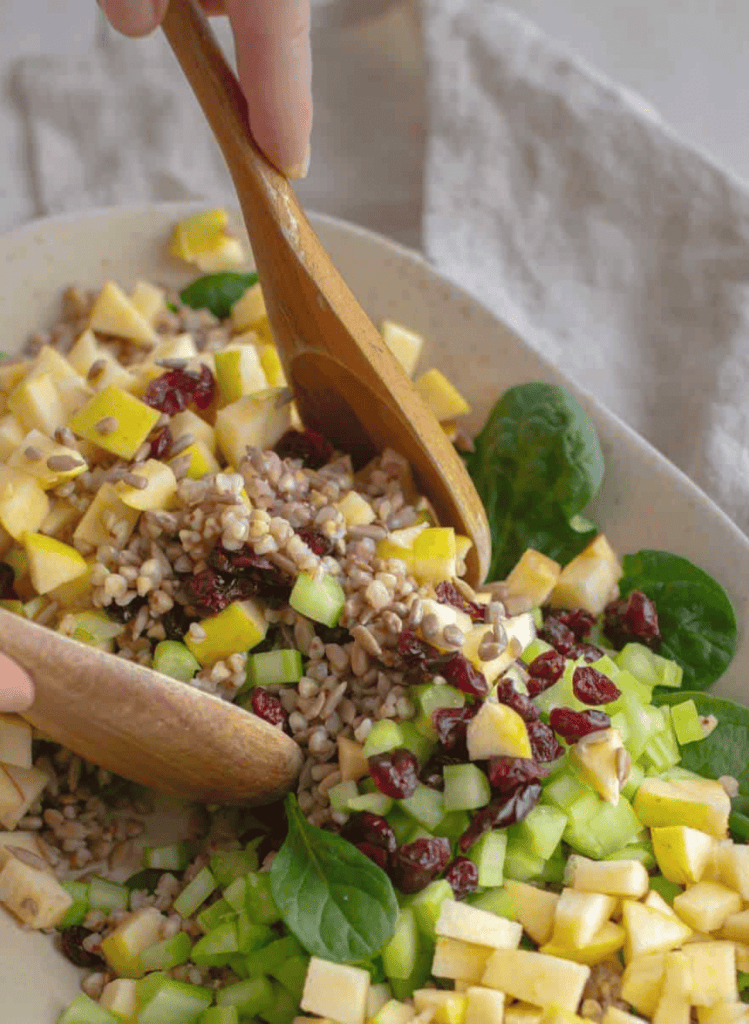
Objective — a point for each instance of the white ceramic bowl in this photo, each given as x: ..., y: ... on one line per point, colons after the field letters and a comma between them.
x: 644, y: 501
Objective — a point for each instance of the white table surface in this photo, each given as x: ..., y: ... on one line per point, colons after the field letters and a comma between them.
x: 687, y: 59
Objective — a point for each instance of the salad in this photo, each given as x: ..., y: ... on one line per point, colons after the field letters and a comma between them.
x: 518, y: 804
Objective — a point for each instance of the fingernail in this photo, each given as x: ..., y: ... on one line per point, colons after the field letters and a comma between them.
x: 300, y: 170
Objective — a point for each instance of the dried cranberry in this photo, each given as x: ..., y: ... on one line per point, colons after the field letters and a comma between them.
x: 507, y: 773
x: 71, y: 944
x: 161, y: 443
x: 370, y: 828
x: 414, y: 865
x: 375, y: 853
x: 414, y: 651
x: 125, y: 612
x: 448, y: 593
x: 267, y: 706
x: 573, y: 725
x: 556, y: 633
x: 176, y: 622
x: 544, y: 671
x: 7, y: 579
x: 578, y: 620
x: 432, y: 774
x: 588, y: 652
x: 592, y: 687
x: 210, y: 591
x: 632, y: 619
x: 253, y: 574
x: 332, y: 634
x: 308, y: 445
x: 505, y: 810
x: 463, y: 876
x: 544, y: 744
x: 317, y: 542
x: 461, y: 673
x: 395, y: 773
x: 451, y: 724
x: 522, y: 705
x: 173, y: 391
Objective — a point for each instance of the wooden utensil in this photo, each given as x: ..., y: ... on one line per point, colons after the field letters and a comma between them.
x: 346, y: 382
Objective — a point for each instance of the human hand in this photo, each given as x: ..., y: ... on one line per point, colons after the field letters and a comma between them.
x: 16, y: 688
x: 272, y: 39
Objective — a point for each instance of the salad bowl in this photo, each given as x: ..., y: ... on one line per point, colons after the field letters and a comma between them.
x: 644, y: 501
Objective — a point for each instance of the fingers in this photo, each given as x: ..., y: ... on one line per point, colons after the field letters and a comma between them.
x: 272, y: 40
x: 134, y: 17
x: 16, y: 688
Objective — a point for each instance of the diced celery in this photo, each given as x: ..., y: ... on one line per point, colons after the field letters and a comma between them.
x: 496, y: 901
x: 429, y: 697
x: 214, y: 948
x: 401, y: 823
x: 340, y: 794
x: 175, y: 1002
x: 260, y: 904
x: 219, y: 1015
x: 399, y: 954
x: 453, y: 825
x: 105, y: 895
x: 212, y: 916
x: 403, y: 988
x: 648, y: 667
x: 320, y: 600
x: 488, y: 854
x: 466, y: 787
x: 174, y: 857
x: 416, y: 742
x: 283, y: 1008
x: 662, y: 750
x: 686, y: 722
x: 374, y: 803
x: 554, y: 868
x: 534, y: 648
x: 292, y: 973
x: 636, y: 851
x: 148, y: 986
x: 78, y: 910
x: 636, y: 775
x: 176, y: 660
x: 80, y: 891
x: 629, y: 683
x: 268, y: 958
x: 167, y: 954
x: 383, y: 736
x: 427, y: 904
x: 426, y: 806
x: 668, y: 890
x: 226, y: 865
x: 608, y: 829
x: 564, y: 789
x: 195, y: 893
x: 251, y: 996
x: 83, y: 1010
x: 542, y: 828
x: 252, y: 936
x: 608, y: 667
x: 280, y: 666
x: 520, y: 864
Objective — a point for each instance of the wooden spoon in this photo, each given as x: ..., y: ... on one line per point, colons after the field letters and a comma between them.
x: 346, y: 382
x: 146, y: 726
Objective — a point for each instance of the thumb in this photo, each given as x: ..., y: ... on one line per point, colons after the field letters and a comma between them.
x: 134, y: 17
x: 16, y: 688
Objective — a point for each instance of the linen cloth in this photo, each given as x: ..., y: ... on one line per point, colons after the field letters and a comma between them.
x: 553, y: 194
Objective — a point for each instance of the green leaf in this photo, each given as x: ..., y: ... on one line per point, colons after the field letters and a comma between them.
x: 338, y: 903
x: 536, y: 464
x: 217, y: 292
x: 695, y: 615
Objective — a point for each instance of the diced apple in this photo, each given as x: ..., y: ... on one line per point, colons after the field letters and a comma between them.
x: 15, y: 741
x: 61, y: 515
x: 459, y: 960
x: 10, y: 799
x: 589, y: 579
x: 657, y: 902
x: 239, y: 372
x: 51, y: 563
x: 377, y: 997
x: 433, y: 555
x: 160, y: 486
x: 405, y: 345
x: 394, y: 1012
x: 36, y: 403
x: 33, y: 895
x: 116, y: 421
x: 460, y: 921
x: 355, y: 509
x: 123, y: 946
x: 522, y: 1013
x: 650, y: 931
x: 77, y: 593
x: 149, y: 300
x: 554, y: 1014
x: 203, y: 239
x: 114, y: 313
x: 249, y: 310
x: 335, y: 991
x: 675, y: 1002
x: 442, y: 397
x: 202, y: 462
x: 447, y: 1007
x: 723, y: 1013
x: 11, y: 842
x: 496, y: 731
x: 23, y: 503
x: 105, y: 514
x: 713, y: 967
x: 706, y: 905
x: 534, y: 576
x: 187, y: 422
x: 535, y: 909
x: 118, y: 996
x: 607, y: 941
x: 614, y: 1015
x: 239, y: 627
x: 736, y: 927
x: 579, y: 915
x: 11, y: 436
x: 731, y: 862
x: 682, y: 852
x: 30, y: 783
x: 352, y: 763
x: 254, y: 421
x: 642, y: 981
x: 596, y: 759
x: 698, y: 803
x: 272, y: 366
x: 12, y: 372
x: 532, y: 976
x: 47, y: 461
x: 614, y: 877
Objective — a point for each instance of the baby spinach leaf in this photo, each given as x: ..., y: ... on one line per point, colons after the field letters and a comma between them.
x: 536, y: 464
x: 337, y: 902
x: 696, y: 617
x: 217, y: 292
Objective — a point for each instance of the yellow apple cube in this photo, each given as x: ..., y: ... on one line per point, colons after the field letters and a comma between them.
x: 355, y: 509
x: 614, y: 1015
x: 337, y: 992
x: 614, y: 877
x: 731, y: 862
x: 149, y: 300
x: 106, y: 519
x: 123, y: 946
x: 497, y: 731
x: 61, y: 514
x: 650, y: 931
x: 434, y: 555
x: 461, y: 921
x: 522, y: 1013
x: 579, y: 916
x: 239, y: 627
x: 160, y: 486
x: 701, y: 804
x: 589, y: 579
x: 535, y: 909
x: 15, y: 740
x: 85, y: 352
x: 445, y: 1007
x: 30, y: 783
x: 736, y: 927
x: 533, y: 977
x: 722, y: 1013
x: 272, y: 366
x: 492, y: 669
x: 534, y: 576
x: 51, y: 563
x: 46, y: 460
x: 35, y: 896
x: 607, y: 941
x: 186, y: 422
x: 706, y: 905
x: 254, y: 421
x: 459, y: 960
x: 23, y: 503
x: 682, y: 853
x: 597, y: 762
x: 76, y: 593
x: 202, y: 462
x: 114, y: 313
x: 405, y: 345
x: 11, y: 435
x: 249, y: 310
x: 116, y: 421
x: 642, y: 981
x: 239, y: 372
x: 118, y: 996
x: 203, y: 240
x: 442, y: 397
x: 36, y: 403
x: 713, y: 968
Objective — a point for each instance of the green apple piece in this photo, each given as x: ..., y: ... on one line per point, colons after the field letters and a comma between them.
x: 405, y: 345
x: 579, y: 915
x: 614, y: 877
x: 114, y: 313
x: 239, y: 372
x: 698, y: 803
x: 458, y: 920
x: 116, y: 421
x: 106, y: 512
x: 460, y: 960
x: 335, y: 991
x: 531, y: 976
x: 706, y: 905
x: 239, y: 627
x: 23, y: 504
x: 123, y: 946
x: 427, y: 906
x: 682, y: 853
x: 35, y: 896
x: 84, y: 1010
x: 495, y: 731
x: 713, y: 969
x: 442, y: 397
x: 321, y: 600
x: 36, y: 403
x: 650, y: 931
x: 160, y: 486
x: 174, y: 659
x: 253, y: 421
x: 52, y: 563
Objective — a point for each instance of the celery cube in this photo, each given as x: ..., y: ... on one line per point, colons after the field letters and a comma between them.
x: 214, y: 948
x: 219, y: 1015
x: 340, y: 795
x: 495, y: 901
x: 280, y: 666
x: 466, y: 787
x: 520, y: 864
x: 399, y: 955
x: 291, y: 973
x: 384, y: 735
x: 320, y: 600
x: 686, y: 722
x: 269, y: 958
x: 251, y: 996
x: 453, y: 825
x: 169, y: 953
x: 488, y: 854
x: 374, y: 803
x: 427, y: 904
x: 212, y: 916
x: 543, y: 828
x: 227, y: 865
x: 175, y: 1002
x: 83, y: 1010
x: 195, y: 893
x: 426, y: 805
